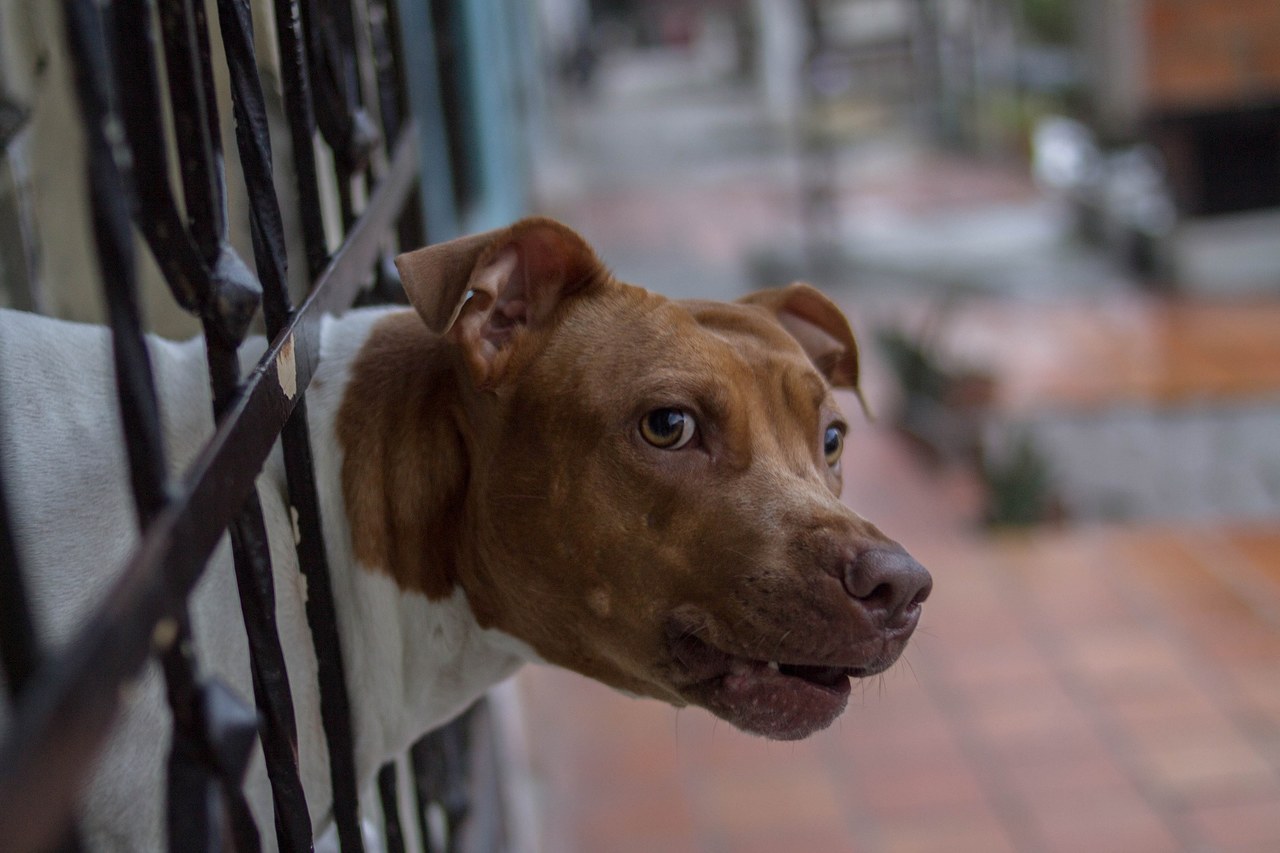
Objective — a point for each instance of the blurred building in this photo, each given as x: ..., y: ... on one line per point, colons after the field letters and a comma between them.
x: 1200, y: 79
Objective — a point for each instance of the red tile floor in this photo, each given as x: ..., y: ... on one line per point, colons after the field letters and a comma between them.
x: 1072, y: 689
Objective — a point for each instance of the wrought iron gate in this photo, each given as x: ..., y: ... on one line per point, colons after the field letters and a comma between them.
x: 136, y: 62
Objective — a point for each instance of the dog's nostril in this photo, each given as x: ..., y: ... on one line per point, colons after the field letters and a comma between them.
x: 889, y: 582
x: 881, y: 596
x: 923, y: 593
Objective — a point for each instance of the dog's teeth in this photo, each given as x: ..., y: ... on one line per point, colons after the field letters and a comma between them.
x: 773, y: 665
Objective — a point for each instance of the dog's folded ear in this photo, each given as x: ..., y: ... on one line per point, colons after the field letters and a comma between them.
x: 819, y: 326
x: 486, y: 291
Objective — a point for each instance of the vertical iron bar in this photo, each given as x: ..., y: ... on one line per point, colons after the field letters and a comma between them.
x: 196, y: 119
x: 19, y: 644
x: 195, y: 124
x: 194, y: 813
x: 442, y: 774
x: 390, y: 104
x: 296, y: 83
x: 108, y: 193
x: 270, y: 680
x: 19, y: 647
x: 392, y: 63
x: 254, y: 144
x: 189, y: 802
x: 388, y: 795
x: 330, y: 38
x: 160, y: 221
x: 329, y: 34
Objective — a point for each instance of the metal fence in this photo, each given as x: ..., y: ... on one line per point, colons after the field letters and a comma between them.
x: 138, y: 64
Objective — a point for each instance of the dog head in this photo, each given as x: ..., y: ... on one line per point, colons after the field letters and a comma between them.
x: 651, y: 488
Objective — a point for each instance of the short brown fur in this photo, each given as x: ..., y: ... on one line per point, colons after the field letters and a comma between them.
x: 404, y: 468
x: 500, y: 453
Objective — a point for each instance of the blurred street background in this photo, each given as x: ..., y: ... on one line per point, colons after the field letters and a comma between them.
x: 1056, y: 229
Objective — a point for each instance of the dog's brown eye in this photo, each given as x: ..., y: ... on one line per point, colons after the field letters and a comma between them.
x: 833, y: 444
x: 668, y: 429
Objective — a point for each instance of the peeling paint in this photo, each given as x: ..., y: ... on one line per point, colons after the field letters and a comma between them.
x: 287, y: 369
x: 297, y: 528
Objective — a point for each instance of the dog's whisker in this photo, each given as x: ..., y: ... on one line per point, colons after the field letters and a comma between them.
x: 906, y: 661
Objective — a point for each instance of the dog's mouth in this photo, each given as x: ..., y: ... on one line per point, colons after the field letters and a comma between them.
x: 773, y: 698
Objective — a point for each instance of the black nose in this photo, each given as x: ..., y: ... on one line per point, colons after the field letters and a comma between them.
x: 887, y: 582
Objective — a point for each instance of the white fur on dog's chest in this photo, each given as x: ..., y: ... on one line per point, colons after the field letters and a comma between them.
x: 411, y: 664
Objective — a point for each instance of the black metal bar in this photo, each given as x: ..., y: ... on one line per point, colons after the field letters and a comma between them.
x: 442, y: 775
x: 393, y: 833
x: 19, y: 645
x: 382, y: 24
x: 156, y: 212
x: 161, y: 224
x: 296, y: 83
x: 343, y: 122
x: 195, y: 126
x: 269, y: 252
x: 192, y: 813
x: 193, y: 809
x: 386, y: 29
x: 254, y: 143
x: 20, y: 653
x: 61, y: 721
x: 198, y: 133
x: 271, y: 691
x: 108, y: 196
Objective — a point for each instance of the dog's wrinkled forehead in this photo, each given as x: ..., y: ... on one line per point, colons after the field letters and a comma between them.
x: 771, y: 356
x: 747, y: 328
x: 748, y: 337
x: 712, y: 356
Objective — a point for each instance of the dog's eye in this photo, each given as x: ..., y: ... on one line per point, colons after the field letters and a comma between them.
x: 668, y: 429
x: 833, y: 444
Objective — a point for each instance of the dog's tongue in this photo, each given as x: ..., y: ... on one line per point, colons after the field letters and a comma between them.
x: 825, y: 676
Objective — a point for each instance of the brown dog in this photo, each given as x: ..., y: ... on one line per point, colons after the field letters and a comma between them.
x: 642, y: 490
x: 539, y: 463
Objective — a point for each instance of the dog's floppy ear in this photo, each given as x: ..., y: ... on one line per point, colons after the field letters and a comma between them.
x: 821, y: 329
x: 485, y: 291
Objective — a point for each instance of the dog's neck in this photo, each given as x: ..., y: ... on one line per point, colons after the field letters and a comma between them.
x: 385, y: 410
x: 404, y: 457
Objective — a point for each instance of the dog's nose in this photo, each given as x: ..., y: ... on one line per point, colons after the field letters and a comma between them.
x: 889, y: 583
